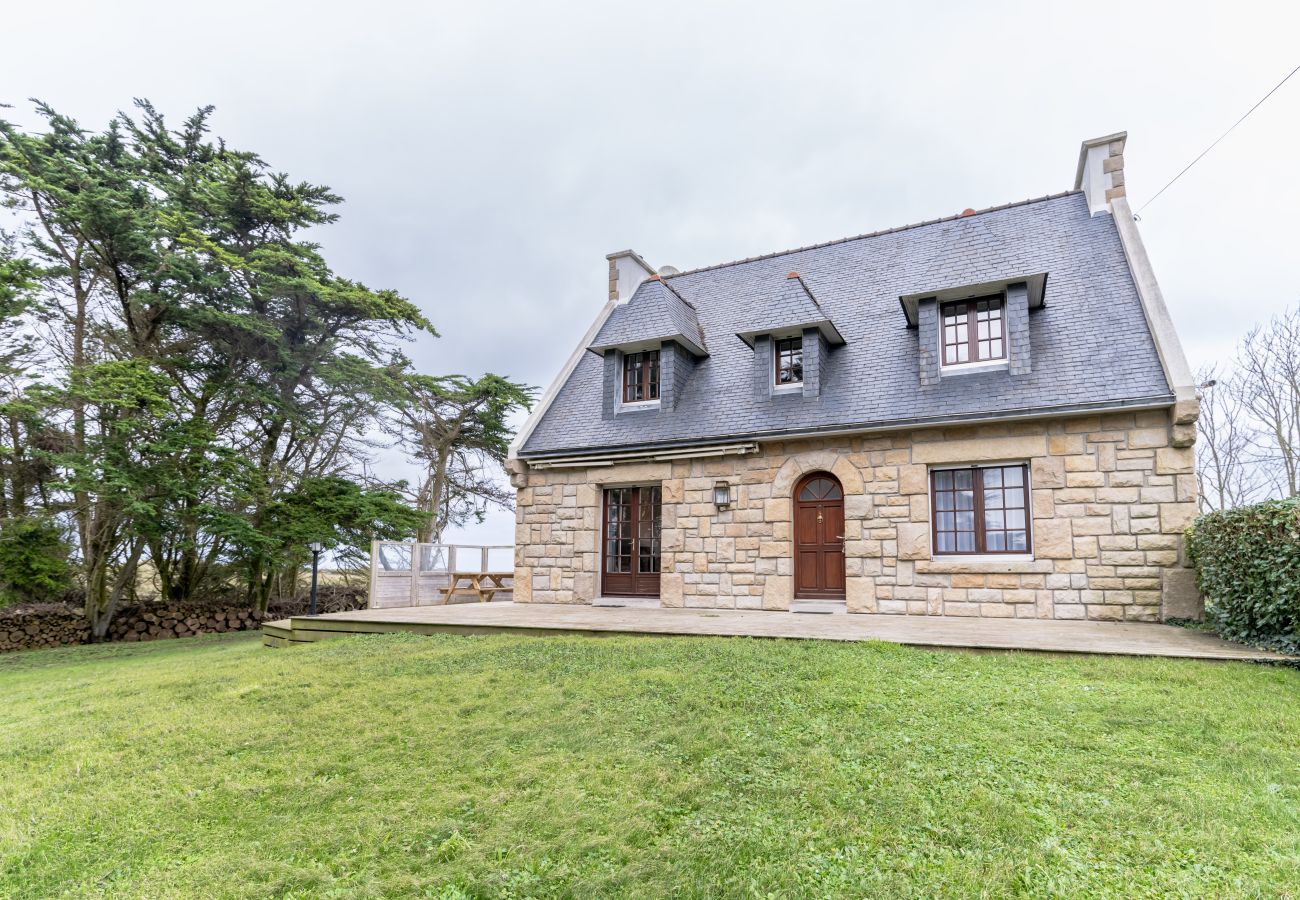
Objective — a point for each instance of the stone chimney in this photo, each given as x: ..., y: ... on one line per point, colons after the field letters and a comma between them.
x: 626, y: 272
x: 1101, y: 171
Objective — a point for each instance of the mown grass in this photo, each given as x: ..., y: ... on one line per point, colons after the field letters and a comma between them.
x: 453, y: 766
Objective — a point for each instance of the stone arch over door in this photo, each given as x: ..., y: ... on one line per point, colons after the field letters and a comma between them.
x: 800, y: 464
x: 817, y: 535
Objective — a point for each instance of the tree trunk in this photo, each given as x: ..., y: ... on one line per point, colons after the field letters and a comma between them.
x: 103, y: 597
x: 16, y: 507
x: 434, y: 502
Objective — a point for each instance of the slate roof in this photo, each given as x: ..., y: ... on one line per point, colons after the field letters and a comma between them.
x: 655, y: 313
x: 1090, y: 344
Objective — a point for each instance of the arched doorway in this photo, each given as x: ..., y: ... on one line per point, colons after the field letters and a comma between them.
x: 819, y: 538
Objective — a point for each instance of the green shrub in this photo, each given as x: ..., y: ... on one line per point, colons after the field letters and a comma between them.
x: 34, y: 565
x: 1248, y: 568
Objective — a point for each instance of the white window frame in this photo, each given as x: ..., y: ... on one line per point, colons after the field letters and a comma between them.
x: 979, y: 365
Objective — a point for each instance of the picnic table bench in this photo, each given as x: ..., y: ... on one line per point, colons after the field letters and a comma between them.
x: 483, y: 585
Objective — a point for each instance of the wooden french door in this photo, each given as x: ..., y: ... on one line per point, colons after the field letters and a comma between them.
x: 819, y: 538
x: 633, y: 522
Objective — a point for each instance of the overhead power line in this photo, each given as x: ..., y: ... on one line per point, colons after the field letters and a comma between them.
x: 1221, y: 137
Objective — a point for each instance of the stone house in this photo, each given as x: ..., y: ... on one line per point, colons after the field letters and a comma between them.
x: 984, y: 415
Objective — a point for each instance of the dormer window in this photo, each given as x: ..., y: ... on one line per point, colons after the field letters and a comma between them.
x: 973, y: 331
x: 641, y: 376
x: 788, y: 357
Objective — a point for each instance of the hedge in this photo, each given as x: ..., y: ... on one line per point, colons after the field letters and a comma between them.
x: 34, y: 565
x: 1248, y: 568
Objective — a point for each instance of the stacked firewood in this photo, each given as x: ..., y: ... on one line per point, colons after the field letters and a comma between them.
x: 34, y: 625
x: 158, y: 621
x: 330, y: 599
x: 31, y: 626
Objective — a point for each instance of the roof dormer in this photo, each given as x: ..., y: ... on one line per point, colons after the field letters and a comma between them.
x: 790, y: 312
x: 791, y: 336
x: 976, y: 327
x: 650, y: 347
x: 655, y: 313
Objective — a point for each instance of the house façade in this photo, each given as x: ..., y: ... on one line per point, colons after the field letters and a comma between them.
x: 984, y: 415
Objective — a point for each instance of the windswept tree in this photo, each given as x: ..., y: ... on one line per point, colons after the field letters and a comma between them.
x: 24, y: 475
x: 91, y: 232
x: 198, y: 359
x: 457, y: 429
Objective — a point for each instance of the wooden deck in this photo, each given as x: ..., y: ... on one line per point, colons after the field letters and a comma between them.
x: 922, y: 631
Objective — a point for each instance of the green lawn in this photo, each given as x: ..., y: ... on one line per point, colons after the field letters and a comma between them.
x: 516, y: 766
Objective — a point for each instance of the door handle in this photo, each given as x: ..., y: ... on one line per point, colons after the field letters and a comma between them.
x: 839, y: 537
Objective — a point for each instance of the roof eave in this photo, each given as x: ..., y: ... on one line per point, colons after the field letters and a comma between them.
x: 1037, y: 293
x: 1161, y: 401
x: 825, y: 326
x: 693, y: 346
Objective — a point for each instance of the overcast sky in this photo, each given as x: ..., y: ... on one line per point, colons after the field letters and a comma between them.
x: 491, y: 154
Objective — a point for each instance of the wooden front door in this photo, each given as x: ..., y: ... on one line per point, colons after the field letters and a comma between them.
x: 819, y: 538
x: 632, y: 526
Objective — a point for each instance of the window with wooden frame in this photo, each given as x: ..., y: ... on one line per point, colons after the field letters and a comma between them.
x: 980, y: 510
x: 788, y: 358
x: 641, y: 376
x: 974, y: 331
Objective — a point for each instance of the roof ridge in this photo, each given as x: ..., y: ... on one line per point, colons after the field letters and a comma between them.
x: 676, y: 293
x: 870, y: 234
x: 691, y: 306
x: 807, y: 290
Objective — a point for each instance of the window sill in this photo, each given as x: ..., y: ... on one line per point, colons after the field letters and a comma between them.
x: 940, y: 565
x: 639, y: 406
x: 992, y: 365
x: 787, y: 389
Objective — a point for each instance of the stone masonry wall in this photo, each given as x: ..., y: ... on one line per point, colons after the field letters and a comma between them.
x: 1111, y: 495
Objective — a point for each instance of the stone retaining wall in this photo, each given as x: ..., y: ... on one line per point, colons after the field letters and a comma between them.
x: 1111, y: 496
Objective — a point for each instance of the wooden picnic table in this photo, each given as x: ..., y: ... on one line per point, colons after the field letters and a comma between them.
x: 484, y: 585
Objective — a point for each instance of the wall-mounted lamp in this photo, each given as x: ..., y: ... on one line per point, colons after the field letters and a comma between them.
x: 721, y: 494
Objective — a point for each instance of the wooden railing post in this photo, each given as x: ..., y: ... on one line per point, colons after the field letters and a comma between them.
x: 373, y: 591
x: 415, y: 573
